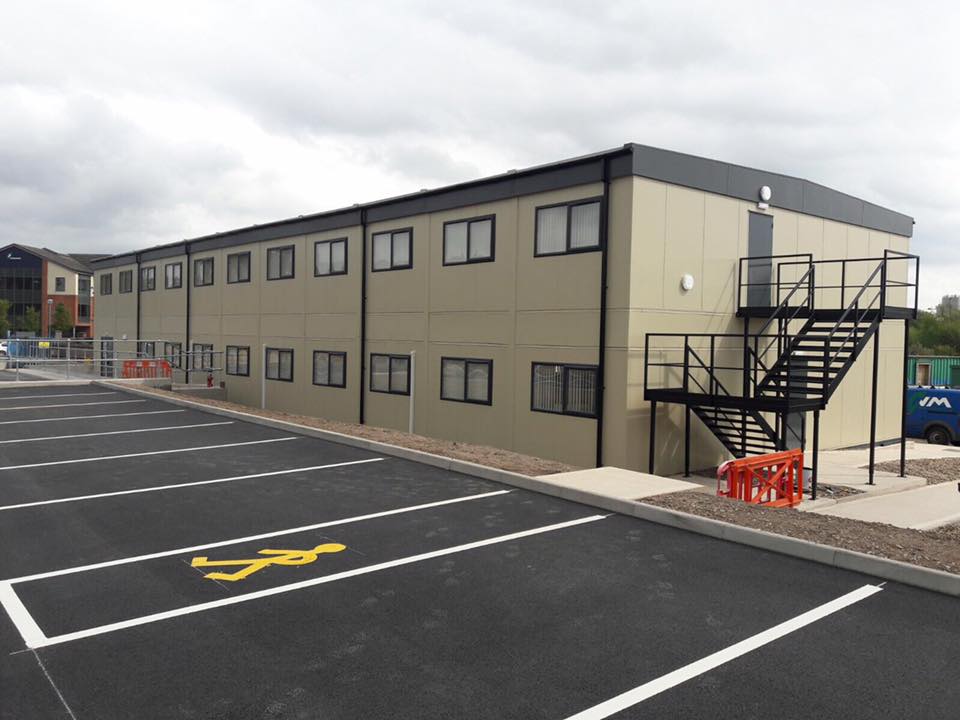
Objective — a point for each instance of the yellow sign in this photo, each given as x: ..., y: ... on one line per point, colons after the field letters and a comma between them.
x: 277, y: 557
x: 43, y: 344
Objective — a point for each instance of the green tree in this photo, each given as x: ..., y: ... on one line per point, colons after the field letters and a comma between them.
x: 31, y: 321
x: 937, y: 332
x: 4, y: 318
x: 62, y: 320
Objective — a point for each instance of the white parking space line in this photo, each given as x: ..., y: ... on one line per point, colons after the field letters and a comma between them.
x: 34, y: 637
x: 155, y: 488
x: 249, y: 538
x: 54, y: 395
x: 145, y: 454
x: 695, y: 669
x: 90, y: 417
x: 116, y: 432
x: 59, y: 405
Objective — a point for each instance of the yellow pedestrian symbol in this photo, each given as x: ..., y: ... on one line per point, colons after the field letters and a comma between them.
x: 277, y: 557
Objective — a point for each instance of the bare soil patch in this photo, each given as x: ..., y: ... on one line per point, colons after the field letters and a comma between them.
x: 935, y: 470
x: 938, y: 549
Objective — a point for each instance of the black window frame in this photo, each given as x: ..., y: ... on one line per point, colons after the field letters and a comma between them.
x: 205, y: 352
x: 470, y: 221
x: 148, y: 278
x: 236, y: 257
x: 125, y: 275
x: 60, y: 284
x: 566, y: 367
x: 329, y: 354
x: 467, y: 362
x: 106, y: 284
x: 570, y: 204
x: 293, y: 262
x: 167, y: 284
x: 266, y: 364
x: 329, y: 244
x: 173, y: 356
x: 226, y: 360
x: 389, y: 390
x: 391, y: 233
x: 142, y: 346
x: 198, y: 262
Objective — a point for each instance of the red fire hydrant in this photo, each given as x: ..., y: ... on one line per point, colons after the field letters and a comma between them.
x: 210, y: 379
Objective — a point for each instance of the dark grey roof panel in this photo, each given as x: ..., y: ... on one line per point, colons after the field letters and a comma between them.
x: 275, y: 231
x: 878, y: 217
x: 745, y: 183
x: 830, y: 204
x: 680, y: 169
x: 115, y: 261
x: 160, y: 253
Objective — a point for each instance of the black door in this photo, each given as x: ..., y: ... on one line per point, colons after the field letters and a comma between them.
x: 760, y: 272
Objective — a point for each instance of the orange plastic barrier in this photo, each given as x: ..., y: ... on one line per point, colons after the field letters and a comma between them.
x: 146, y: 369
x: 774, y: 480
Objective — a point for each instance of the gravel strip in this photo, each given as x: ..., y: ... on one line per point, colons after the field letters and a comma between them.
x: 935, y: 470
x: 939, y: 549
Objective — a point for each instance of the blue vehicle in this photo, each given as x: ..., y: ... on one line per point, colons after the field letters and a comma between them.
x: 934, y: 414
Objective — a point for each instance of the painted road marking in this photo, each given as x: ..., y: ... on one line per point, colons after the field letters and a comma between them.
x: 144, y: 454
x: 89, y: 417
x: 100, y: 402
x: 34, y: 637
x: 694, y: 669
x: 250, y: 538
x: 52, y: 395
x: 287, y: 558
x: 117, y: 432
x: 155, y: 488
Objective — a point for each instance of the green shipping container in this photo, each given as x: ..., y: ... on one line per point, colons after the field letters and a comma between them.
x: 934, y: 370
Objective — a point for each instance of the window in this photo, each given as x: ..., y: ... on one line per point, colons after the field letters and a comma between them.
x: 202, y: 357
x: 330, y: 257
x: 568, y: 228
x: 173, y: 276
x: 280, y: 263
x: 147, y: 349
x: 203, y: 272
x: 238, y: 360
x: 565, y: 389
x: 466, y: 380
x: 329, y: 368
x: 238, y: 268
x: 148, y: 278
x: 390, y: 374
x: 280, y: 364
x: 83, y: 286
x: 60, y: 284
x: 393, y: 250
x: 468, y: 241
x: 125, y: 278
x: 106, y: 284
x: 173, y: 354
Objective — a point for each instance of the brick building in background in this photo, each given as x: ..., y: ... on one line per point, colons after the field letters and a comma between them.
x: 32, y: 277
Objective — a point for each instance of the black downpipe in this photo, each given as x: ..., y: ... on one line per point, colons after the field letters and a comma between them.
x: 602, y: 341
x: 186, y: 322
x: 363, y: 313
x: 139, y: 290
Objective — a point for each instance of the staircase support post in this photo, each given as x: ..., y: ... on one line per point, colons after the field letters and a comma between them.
x: 903, y: 399
x: 873, y: 400
x: 816, y: 455
x: 653, y: 435
x: 686, y: 442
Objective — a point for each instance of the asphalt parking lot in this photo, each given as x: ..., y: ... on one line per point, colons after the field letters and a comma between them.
x: 163, y: 562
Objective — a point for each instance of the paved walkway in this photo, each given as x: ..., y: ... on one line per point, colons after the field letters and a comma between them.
x: 921, y: 508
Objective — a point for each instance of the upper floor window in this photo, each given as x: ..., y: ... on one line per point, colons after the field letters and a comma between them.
x: 390, y: 374
x: 468, y: 241
x: 106, y: 284
x: 568, y: 228
x: 564, y: 389
x: 466, y: 380
x: 280, y: 263
x: 125, y: 280
x: 238, y: 268
x: 279, y: 364
x: 83, y: 286
x: 173, y: 275
x: 203, y: 272
x: 60, y: 284
x: 148, y: 278
x: 393, y: 250
x: 330, y: 257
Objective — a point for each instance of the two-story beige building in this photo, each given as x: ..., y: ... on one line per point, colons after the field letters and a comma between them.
x: 524, y: 302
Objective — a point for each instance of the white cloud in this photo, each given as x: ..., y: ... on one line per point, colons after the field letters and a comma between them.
x: 122, y: 127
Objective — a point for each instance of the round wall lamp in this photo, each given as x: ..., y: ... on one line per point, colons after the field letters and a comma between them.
x: 766, y: 193
x: 686, y: 282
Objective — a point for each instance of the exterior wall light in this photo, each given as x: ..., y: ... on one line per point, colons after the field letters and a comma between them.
x: 686, y: 282
x: 765, y: 194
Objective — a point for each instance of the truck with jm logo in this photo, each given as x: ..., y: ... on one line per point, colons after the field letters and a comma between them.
x: 934, y: 414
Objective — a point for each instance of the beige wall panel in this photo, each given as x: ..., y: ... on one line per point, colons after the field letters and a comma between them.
x: 786, y: 231
x: 684, y: 247
x: 400, y: 290
x: 69, y: 278
x: 281, y: 296
x: 392, y: 411
x: 495, y: 328
x: 621, y: 210
x: 344, y: 326
x: 333, y: 402
x: 721, y: 251
x: 290, y: 326
x: 205, y: 325
x: 397, y: 327
x: 648, y: 245
x: 334, y: 294
x: 561, y: 329
x: 246, y: 325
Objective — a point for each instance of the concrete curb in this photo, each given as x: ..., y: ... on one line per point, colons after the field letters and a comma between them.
x: 921, y: 577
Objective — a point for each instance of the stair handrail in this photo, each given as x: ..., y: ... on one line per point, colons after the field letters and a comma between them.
x: 808, y: 276
x: 855, y: 306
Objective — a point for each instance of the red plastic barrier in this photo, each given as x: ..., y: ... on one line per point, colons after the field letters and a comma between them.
x: 774, y: 480
x: 146, y: 369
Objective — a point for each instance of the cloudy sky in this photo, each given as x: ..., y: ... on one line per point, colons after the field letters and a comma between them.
x: 123, y: 127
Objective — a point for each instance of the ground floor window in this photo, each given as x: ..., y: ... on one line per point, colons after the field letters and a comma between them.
x: 237, y: 360
x: 202, y: 356
x: 147, y: 349
x: 466, y: 380
x: 280, y: 364
x: 564, y: 389
x: 329, y: 368
x: 172, y: 352
x: 390, y: 374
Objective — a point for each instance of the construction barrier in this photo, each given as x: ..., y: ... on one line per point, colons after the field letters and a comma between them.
x: 146, y: 369
x: 774, y: 480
